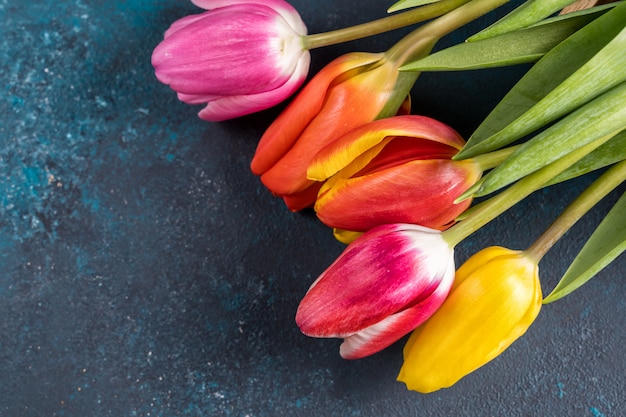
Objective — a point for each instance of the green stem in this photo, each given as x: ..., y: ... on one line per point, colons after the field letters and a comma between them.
x: 413, y: 43
x: 583, y: 203
x: 493, y: 159
x: 497, y: 205
x: 385, y: 24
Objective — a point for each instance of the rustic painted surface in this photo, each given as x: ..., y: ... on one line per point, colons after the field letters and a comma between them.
x: 144, y: 271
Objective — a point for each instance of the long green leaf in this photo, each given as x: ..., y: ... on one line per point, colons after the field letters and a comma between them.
x: 530, y: 12
x: 605, y: 116
x: 584, y: 65
x: 606, y: 243
x: 407, y: 4
x: 511, y: 48
x: 611, y: 152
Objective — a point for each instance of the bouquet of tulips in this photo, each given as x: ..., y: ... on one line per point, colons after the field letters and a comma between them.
x: 401, y: 189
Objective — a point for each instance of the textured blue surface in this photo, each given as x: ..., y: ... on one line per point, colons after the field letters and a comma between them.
x: 145, y: 272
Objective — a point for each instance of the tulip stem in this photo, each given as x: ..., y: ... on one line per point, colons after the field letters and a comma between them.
x: 606, y: 183
x: 404, y: 50
x: 490, y: 209
x: 382, y: 25
x: 493, y: 159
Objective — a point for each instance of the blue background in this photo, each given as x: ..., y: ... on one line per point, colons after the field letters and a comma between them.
x: 144, y: 271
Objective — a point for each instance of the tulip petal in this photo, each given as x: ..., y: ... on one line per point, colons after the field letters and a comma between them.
x: 391, y: 329
x: 346, y: 236
x: 182, y: 23
x: 386, y: 270
x: 197, y: 98
x: 341, y: 152
x: 354, y: 102
x: 229, y: 107
x: 286, y: 10
x: 420, y: 192
x: 289, y: 125
x: 481, y: 317
x: 303, y: 199
x: 254, y: 51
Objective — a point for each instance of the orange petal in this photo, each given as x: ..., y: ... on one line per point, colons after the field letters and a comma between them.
x: 303, y: 199
x: 287, y: 128
x: 349, y: 104
x: 418, y: 192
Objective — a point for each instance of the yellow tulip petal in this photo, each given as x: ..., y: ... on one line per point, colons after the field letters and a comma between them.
x: 486, y: 312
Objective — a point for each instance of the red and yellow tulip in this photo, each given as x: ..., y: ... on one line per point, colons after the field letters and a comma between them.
x: 384, y: 285
x: 495, y: 298
x: 393, y: 170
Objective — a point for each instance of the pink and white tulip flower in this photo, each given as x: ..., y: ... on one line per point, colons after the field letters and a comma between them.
x: 239, y: 57
x: 385, y: 284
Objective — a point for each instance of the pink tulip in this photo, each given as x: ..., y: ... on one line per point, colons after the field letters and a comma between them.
x: 239, y: 57
x: 385, y: 284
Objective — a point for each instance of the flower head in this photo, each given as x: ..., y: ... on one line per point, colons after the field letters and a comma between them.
x: 393, y: 170
x: 495, y: 298
x: 239, y: 57
x: 352, y: 90
x: 385, y: 284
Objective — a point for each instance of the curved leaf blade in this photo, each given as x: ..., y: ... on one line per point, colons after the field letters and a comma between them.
x: 607, y: 154
x: 517, y: 47
x: 604, y: 116
x: 407, y: 4
x: 606, y: 243
x: 530, y: 12
x: 584, y: 65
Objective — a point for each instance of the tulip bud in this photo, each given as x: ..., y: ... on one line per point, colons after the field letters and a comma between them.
x: 352, y: 90
x: 385, y: 284
x: 495, y: 298
x: 393, y: 170
x: 239, y: 57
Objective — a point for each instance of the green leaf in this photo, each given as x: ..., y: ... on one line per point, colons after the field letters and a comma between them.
x: 609, y: 153
x: 511, y: 48
x: 606, y: 243
x: 530, y: 12
x: 407, y: 4
x: 596, y: 10
x: 605, y: 116
x: 584, y: 65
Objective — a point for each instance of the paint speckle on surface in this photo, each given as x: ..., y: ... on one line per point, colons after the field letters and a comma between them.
x: 560, y: 387
x: 595, y: 412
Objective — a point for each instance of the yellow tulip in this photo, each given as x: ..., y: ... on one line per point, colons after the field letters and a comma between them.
x: 495, y: 298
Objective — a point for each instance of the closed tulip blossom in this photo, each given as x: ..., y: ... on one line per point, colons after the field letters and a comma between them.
x: 239, y: 57
x: 385, y: 284
x: 393, y: 170
x: 495, y: 298
x: 351, y: 91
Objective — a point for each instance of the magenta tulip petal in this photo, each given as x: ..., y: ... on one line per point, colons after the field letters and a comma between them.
x: 286, y: 10
x: 196, y: 99
x: 223, y: 108
x: 239, y: 57
x: 182, y: 23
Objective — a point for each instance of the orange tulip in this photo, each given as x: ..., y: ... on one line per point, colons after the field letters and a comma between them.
x: 352, y: 90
